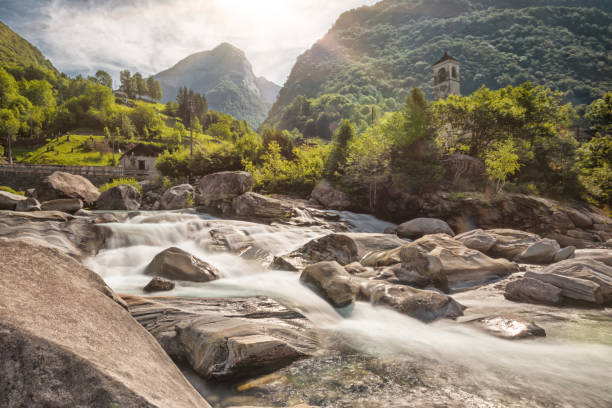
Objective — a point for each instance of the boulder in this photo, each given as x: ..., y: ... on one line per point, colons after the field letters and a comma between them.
x: 511, y: 327
x: 29, y: 204
x: 425, y: 305
x: 227, y: 338
x: 330, y: 198
x: 540, y: 252
x: 529, y: 290
x: 565, y: 253
x: 253, y: 205
x: 177, y: 197
x: 9, y: 201
x: 445, y: 261
x: 419, y: 227
x: 68, y: 341
x: 120, y: 198
x: 601, y: 255
x: 405, y: 274
x: 583, y: 280
x: 506, y: 243
x: 67, y: 205
x: 158, y: 284
x: 332, y: 282
x: 477, y: 239
x: 65, y: 185
x: 344, y: 248
x: 224, y: 186
x: 176, y: 264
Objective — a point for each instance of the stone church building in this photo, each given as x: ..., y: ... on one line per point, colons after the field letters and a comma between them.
x: 447, y: 77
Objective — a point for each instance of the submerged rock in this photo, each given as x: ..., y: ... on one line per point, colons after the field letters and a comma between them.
x: 511, y: 327
x: 122, y: 198
x: 67, y: 340
x: 176, y: 264
x: 158, y: 284
x: 419, y: 227
x: 332, y: 282
x: 65, y: 185
x: 227, y: 338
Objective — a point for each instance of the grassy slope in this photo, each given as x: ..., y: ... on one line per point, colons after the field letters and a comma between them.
x: 64, y: 152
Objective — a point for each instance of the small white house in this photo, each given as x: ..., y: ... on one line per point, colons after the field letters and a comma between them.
x: 141, y: 158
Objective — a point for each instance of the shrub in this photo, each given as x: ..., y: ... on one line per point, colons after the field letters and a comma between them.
x: 122, y: 181
x: 10, y: 190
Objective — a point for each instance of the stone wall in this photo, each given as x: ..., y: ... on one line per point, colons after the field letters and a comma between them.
x: 21, y: 176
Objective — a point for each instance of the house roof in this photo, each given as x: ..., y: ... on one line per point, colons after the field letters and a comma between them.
x: 445, y: 58
x: 143, y: 150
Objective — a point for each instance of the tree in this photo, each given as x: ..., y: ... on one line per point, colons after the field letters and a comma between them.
x: 127, y: 83
x: 140, y: 84
x: 340, y: 141
x: 154, y: 88
x: 594, y: 166
x: 502, y: 161
x: 599, y: 114
x: 104, y: 78
x: 9, y: 124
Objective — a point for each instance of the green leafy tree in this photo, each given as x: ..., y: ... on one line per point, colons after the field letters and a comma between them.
x: 154, y: 88
x: 104, y: 78
x: 599, y: 114
x: 140, y: 84
x: 338, y: 156
x: 502, y: 161
x: 594, y: 166
x: 9, y: 124
x: 127, y: 83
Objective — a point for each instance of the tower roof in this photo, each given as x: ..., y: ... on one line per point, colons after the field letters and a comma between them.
x: 445, y: 58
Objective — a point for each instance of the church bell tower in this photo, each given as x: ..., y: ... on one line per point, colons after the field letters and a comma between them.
x: 446, y: 77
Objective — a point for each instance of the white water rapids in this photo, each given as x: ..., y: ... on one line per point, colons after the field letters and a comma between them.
x: 581, y: 372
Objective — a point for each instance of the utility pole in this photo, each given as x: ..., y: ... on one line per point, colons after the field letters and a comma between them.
x: 113, y: 146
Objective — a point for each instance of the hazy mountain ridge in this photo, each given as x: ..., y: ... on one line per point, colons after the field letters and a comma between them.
x: 226, y: 76
x: 374, y: 55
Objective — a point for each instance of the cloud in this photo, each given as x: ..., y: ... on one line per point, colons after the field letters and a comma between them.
x: 151, y: 35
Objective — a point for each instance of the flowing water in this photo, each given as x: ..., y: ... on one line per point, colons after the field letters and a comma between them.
x: 578, y: 373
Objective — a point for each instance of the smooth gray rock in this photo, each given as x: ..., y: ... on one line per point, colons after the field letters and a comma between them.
x: 119, y: 198
x: 540, y: 252
x: 224, y: 186
x: 176, y: 264
x: 29, y: 204
x: 65, y: 185
x: 419, y: 227
x: 329, y: 197
x: 332, y: 282
x: 530, y: 290
x: 67, y: 205
x: 565, y: 253
x: 253, y: 205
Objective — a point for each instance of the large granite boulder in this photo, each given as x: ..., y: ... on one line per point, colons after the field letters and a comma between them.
x: 253, y: 205
x: 223, y: 186
x: 514, y: 245
x: 445, y: 260
x: 332, y: 282
x: 176, y: 264
x: 425, y: 305
x: 419, y: 227
x: 67, y: 340
x: 67, y: 205
x: 329, y: 197
x: 227, y: 338
x: 583, y: 280
x: 158, y: 284
x: 9, y: 201
x: 177, y: 197
x: 120, y: 198
x: 65, y: 185
x: 344, y: 248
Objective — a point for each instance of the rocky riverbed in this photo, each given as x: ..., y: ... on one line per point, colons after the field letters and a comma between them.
x: 269, y: 301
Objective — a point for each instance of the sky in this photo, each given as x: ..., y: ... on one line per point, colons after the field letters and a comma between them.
x: 148, y: 36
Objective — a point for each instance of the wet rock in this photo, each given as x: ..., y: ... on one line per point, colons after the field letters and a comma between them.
x: 425, y: 305
x: 158, y: 284
x: 223, y: 186
x: 121, y: 198
x: 9, y: 201
x: 584, y: 280
x: 601, y: 255
x: 565, y: 253
x: 511, y: 327
x: 177, y: 197
x: 355, y: 268
x: 343, y: 248
x: 332, y: 282
x: 29, y: 204
x: 529, y: 290
x: 253, y: 205
x: 227, y: 338
x: 67, y: 205
x: 330, y: 198
x: 419, y: 227
x: 63, y: 339
x: 445, y: 261
x: 65, y: 185
x: 176, y: 264
x: 405, y: 274
x: 541, y: 252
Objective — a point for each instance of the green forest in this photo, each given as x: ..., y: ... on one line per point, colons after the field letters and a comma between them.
x: 373, y: 56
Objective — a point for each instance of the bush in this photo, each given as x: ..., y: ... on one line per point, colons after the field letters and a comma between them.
x: 10, y: 190
x: 122, y: 181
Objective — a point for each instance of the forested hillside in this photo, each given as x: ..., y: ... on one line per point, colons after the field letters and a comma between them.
x: 373, y: 56
x: 14, y: 50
